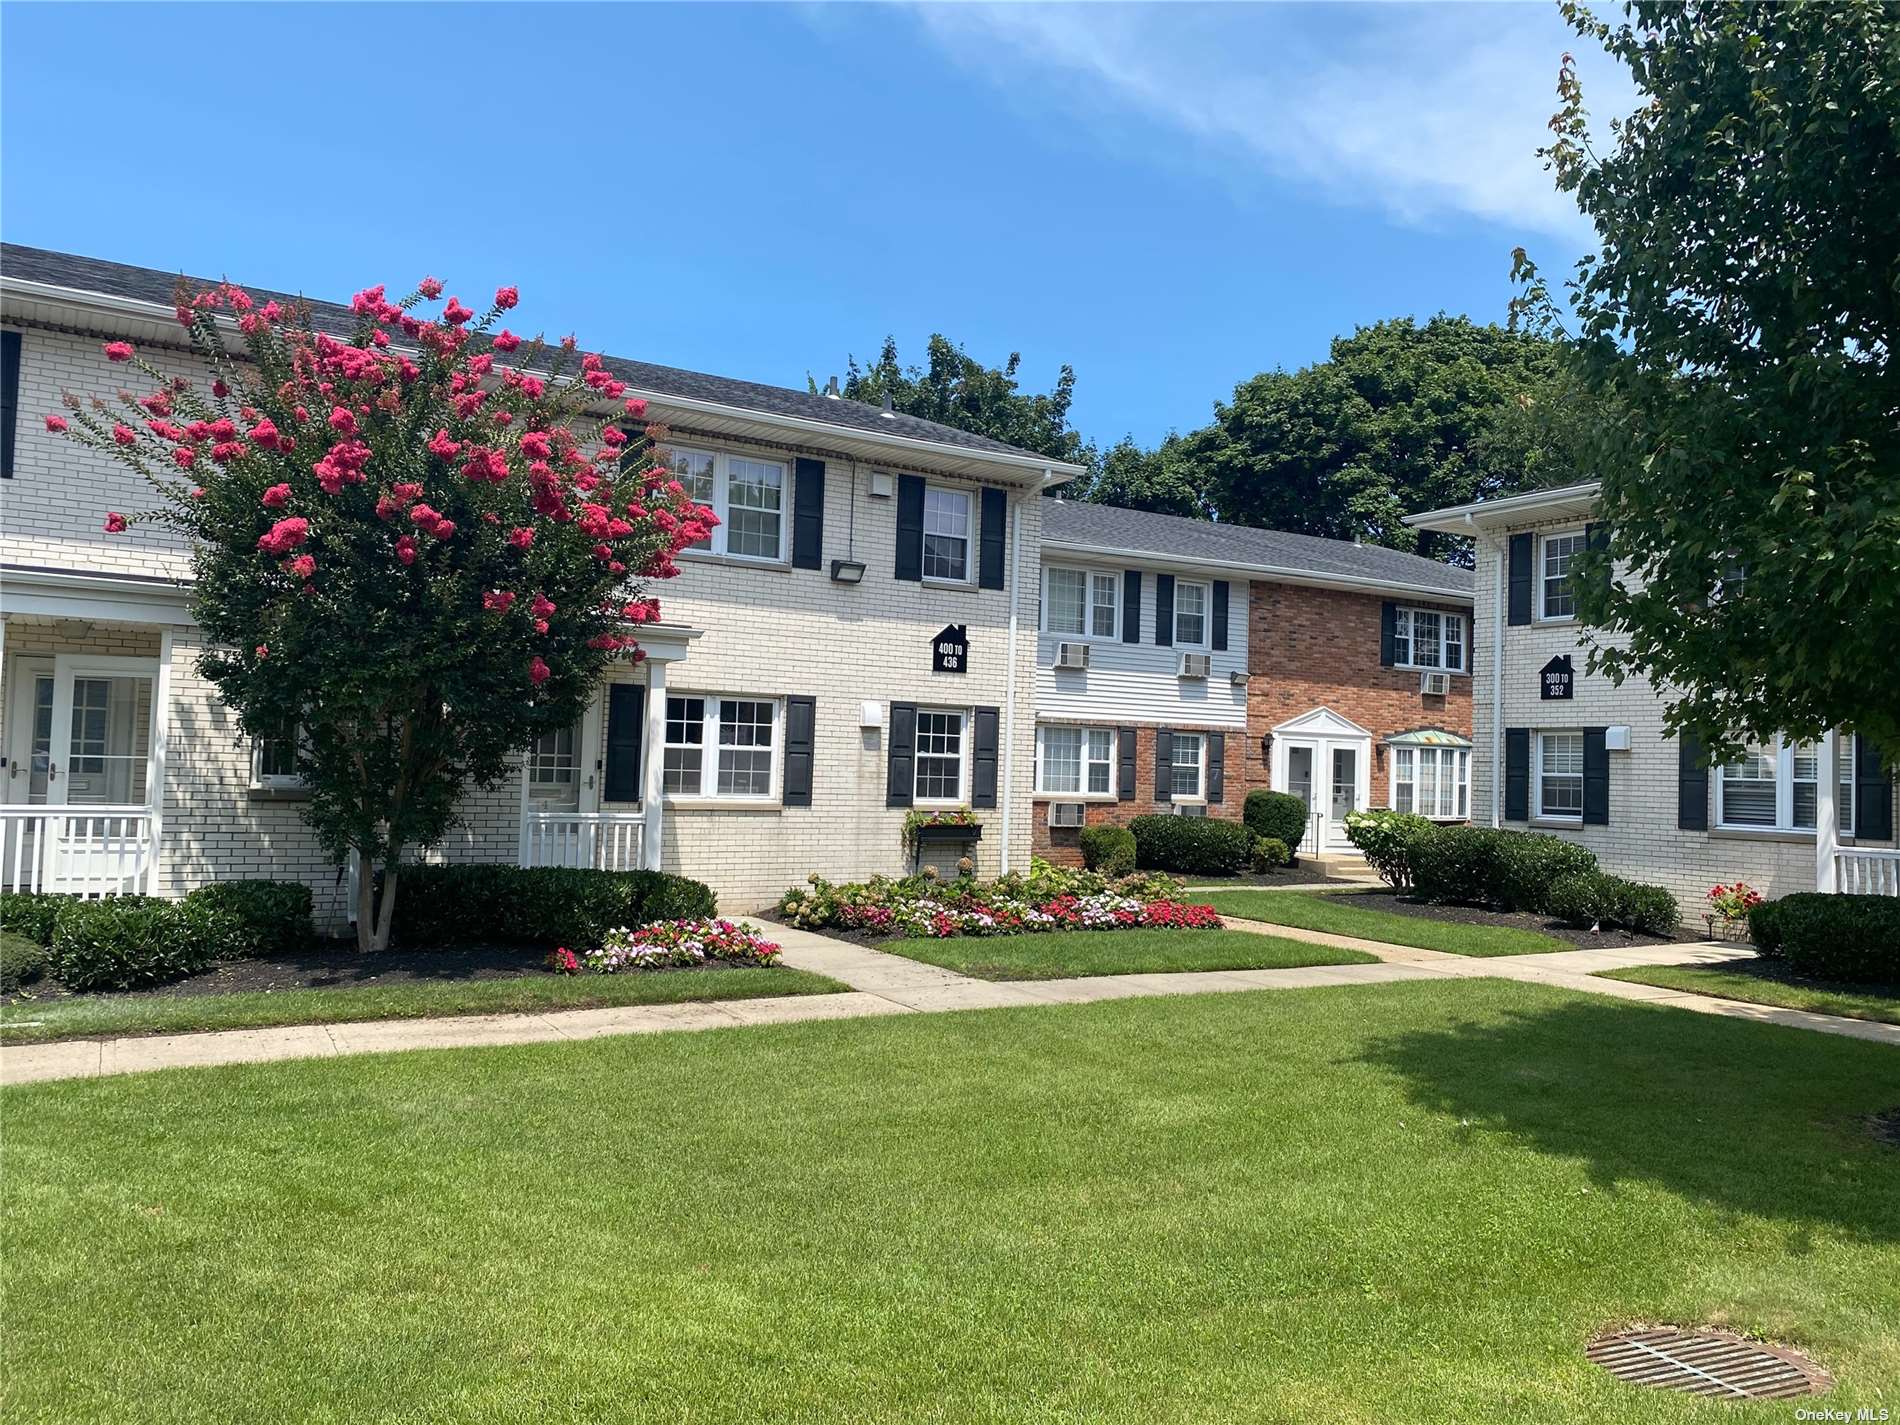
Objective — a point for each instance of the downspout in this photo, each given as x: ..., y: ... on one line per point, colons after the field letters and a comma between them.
x: 1497, y: 694
x: 1009, y: 687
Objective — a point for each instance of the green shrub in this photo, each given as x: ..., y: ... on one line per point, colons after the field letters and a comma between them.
x: 1508, y: 870
x: 22, y: 961
x: 1832, y: 937
x: 1269, y: 854
x: 1108, y: 849
x: 271, y: 917
x: 1532, y: 864
x: 1593, y: 898
x: 31, y: 914
x: 541, y: 905
x: 124, y: 942
x: 1387, y: 838
x: 1276, y: 814
x: 1196, y: 845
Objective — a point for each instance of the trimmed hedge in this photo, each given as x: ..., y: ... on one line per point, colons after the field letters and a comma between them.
x: 1386, y: 838
x: 270, y: 916
x: 1831, y: 937
x: 1197, y: 845
x: 1508, y: 870
x: 540, y: 905
x: 125, y: 942
x: 1594, y: 898
x: 31, y: 914
x: 1276, y: 814
x: 1270, y: 853
x: 1108, y: 849
x: 22, y: 961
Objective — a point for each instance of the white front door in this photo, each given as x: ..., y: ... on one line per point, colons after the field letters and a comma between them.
x: 1330, y: 775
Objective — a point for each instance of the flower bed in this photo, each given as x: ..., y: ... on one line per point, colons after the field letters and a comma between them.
x: 668, y: 943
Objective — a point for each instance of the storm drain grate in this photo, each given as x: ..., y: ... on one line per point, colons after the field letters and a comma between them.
x: 1708, y: 1363
x: 1885, y: 1127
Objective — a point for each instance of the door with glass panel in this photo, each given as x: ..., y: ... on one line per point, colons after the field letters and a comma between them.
x: 1301, y: 760
x: 1342, y: 792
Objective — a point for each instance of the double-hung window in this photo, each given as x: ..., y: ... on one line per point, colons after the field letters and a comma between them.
x: 947, y: 535
x: 1432, y: 781
x: 1775, y: 786
x: 746, y: 492
x: 720, y: 748
x: 1188, y: 767
x: 1559, y: 766
x: 1190, y: 614
x: 273, y: 761
x: 1557, y: 597
x: 1428, y: 638
x: 1077, y: 761
x: 1084, y: 603
x: 940, y: 757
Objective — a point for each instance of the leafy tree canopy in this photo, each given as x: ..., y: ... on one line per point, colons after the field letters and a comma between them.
x: 1160, y: 480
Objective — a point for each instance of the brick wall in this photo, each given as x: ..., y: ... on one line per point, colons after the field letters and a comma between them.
x: 1062, y: 845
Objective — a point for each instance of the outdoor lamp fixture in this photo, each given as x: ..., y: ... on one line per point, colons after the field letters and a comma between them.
x: 1266, y: 746
x: 847, y: 571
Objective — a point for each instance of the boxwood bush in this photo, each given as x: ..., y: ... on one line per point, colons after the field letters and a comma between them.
x: 125, y: 942
x: 1387, y: 838
x: 22, y: 961
x: 271, y: 917
x: 1507, y: 870
x: 1108, y: 849
x: 541, y: 905
x: 31, y: 914
x: 1276, y: 814
x: 1194, y: 845
x: 1831, y: 937
x: 1593, y: 898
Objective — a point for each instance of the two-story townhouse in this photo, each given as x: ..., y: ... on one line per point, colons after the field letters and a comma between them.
x: 1565, y: 751
x: 1181, y: 664
x: 796, y: 703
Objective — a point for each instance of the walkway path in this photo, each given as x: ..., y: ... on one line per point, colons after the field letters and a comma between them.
x: 890, y: 984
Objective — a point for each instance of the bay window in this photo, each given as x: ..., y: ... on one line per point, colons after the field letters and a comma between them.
x: 742, y: 735
x: 1076, y: 761
x: 1432, y: 781
x: 746, y: 492
x: 1775, y: 786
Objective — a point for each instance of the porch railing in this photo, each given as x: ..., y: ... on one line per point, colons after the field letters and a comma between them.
x: 600, y: 840
x: 75, y: 850
x: 1860, y: 872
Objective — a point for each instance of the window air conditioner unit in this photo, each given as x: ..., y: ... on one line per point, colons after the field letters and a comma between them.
x: 1435, y: 685
x: 1072, y: 655
x: 1065, y: 814
x: 1195, y: 665
x: 1188, y: 809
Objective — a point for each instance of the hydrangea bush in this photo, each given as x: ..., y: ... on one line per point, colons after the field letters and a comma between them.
x: 418, y: 540
x: 679, y: 942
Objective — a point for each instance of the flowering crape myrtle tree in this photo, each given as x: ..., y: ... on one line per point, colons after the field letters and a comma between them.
x: 410, y: 558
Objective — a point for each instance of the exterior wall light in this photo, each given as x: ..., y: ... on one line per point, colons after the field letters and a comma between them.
x: 847, y: 571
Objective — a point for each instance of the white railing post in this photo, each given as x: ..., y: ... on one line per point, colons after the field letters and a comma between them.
x: 1826, y: 827
x: 654, y: 765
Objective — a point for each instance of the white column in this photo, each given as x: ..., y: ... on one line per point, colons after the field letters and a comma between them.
x: 653, y: 762
x: 155, y: 759
x: 1826, y: 823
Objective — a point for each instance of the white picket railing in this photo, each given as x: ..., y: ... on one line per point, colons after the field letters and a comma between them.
x: 75, y: 850
x: 600, y: 840
x: 1860, y: 872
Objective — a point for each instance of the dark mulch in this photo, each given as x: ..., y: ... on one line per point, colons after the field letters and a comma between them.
x: 1306, y: 874
x: 1522, y: 920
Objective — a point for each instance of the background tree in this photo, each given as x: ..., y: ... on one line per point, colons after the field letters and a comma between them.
x: 1741, y: 318
x: 1160, y: 480
x: 411, y: 560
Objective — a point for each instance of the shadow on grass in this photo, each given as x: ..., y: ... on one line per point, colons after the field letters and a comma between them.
x: 1750, y: 1119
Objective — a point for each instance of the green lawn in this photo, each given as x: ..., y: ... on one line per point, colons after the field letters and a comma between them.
x: 1409, y: 1202
x: 1310, y: 911
x: 35, y: 1021
x: 1118, y: 952
x: 1741, y: 980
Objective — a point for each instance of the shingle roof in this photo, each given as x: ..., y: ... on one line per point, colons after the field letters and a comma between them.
x: 1190, y: 540
x: 117, y: 279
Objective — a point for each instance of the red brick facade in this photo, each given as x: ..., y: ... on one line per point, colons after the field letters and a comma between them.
x: 1062, y: 845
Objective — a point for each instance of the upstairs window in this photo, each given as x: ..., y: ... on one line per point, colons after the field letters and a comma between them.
x: 947, y: 535
x: 1428, y: 638
x: 1559, y: 599
x: 1084, y: 604
x: 745, y: 492
x: 1190, y: 614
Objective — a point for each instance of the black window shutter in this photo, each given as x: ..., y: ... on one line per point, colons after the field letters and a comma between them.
x: 1873, y: 794
x: 900, y: 782
x: 1692, y: 784
x: 9, y: 398
x: 1388, y: 634
x: 1517, y: 774
x: 1164, y: 610
x: 1596, y: 778
x: 1216, y: 766
x: 626, y: 724
x: 1131, y: 606
x: 808, y: 514
x: 1597, y: 536
x: 1164, y: 765
x: 1523, y: 547
x: 1125, y: 778
x: 910, y: 531
x: 801, y: 718
x: 983, y: 740
x: 993, y: 513
x: 1220, y: 615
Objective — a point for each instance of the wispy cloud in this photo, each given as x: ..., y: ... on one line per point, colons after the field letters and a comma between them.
x: 1423, y: 112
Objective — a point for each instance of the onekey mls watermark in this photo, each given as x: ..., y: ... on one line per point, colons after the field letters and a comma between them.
x: 1859, y: 1414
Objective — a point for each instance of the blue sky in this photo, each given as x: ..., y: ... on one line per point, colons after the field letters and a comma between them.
x: 1169, y: 198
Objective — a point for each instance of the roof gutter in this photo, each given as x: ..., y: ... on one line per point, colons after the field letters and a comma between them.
x: 1479, y: 512
x: 1280, y: 573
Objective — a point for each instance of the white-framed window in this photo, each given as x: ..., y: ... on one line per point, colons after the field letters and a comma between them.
x: 1432, y: 781
x: 1559, y: 768
x: 1076, y: 761
x: 1428, y: 638
x: 1556, y: 597
x: 1189, y: 766
x: 273, y: 759
x: 940, y: 761
x: 746, y: 492
x: 720, y: 748
x: 1191, y: 601
x: 554, y: 762
x: 1774, y: 787
x: 1083, y: 603
x: 947, y: 534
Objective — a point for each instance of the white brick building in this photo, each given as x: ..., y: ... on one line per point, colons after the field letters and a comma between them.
x: 786, y: 719
x: 1595, y: 766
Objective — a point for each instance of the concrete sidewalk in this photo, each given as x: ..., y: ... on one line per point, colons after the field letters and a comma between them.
x: 890, y: 984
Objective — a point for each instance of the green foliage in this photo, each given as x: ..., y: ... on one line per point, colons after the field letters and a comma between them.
x: 31, y: 914
x: 1108, y: 849
x: 1191, y: 845
x: 1269, y: 853
x: 272, y: 917
x: 1386, y: 838
x: 541, y: 905
x: 125, y: 942
x: 1508, y: 870
x: 1832, y: 937
x: 915, y: 821
x: 1594, y: 898
x: 22, y: 961
x: 1277, y: 814
x: 1161, y: 480
x: 1740, y: 321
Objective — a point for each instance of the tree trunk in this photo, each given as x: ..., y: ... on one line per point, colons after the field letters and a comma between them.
x: 365, y: 903
x: 386, y: 912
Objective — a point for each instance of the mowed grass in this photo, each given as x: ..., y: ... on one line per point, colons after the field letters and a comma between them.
x: 1318, y: 910
x: 1757, y: 983
x: 1118, y: 952
x: 1407, y: 1202
x: 37, y: 1021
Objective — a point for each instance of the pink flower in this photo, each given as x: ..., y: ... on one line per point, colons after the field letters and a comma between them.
x: 507, y: 297
x: 284, y: 536
x: 440, y: 445
x: 263, y: 650
x: 118, y: 350
x: 430, y: 287
x: 406, y: 550
x: 455, y: 313
x: 505, y: 341
x: 498, y: 601
x: 56, y: 424
x: 424, y: 515
x: 115, y: 522
x: 521, y: 537
x: 264, y: 433
x: 542, y: 606
x: 125, y: 435
x: 186, y: 456
x: 538, y: 671
x: 276, y: 497
x: 444, y: 529
x: 219, y: 389
x: 303, y: 566
x: 225, y: 451
x: 343, y: 420
x: 637, y: 408
x: 534, y: 445
x: 197, y: 492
